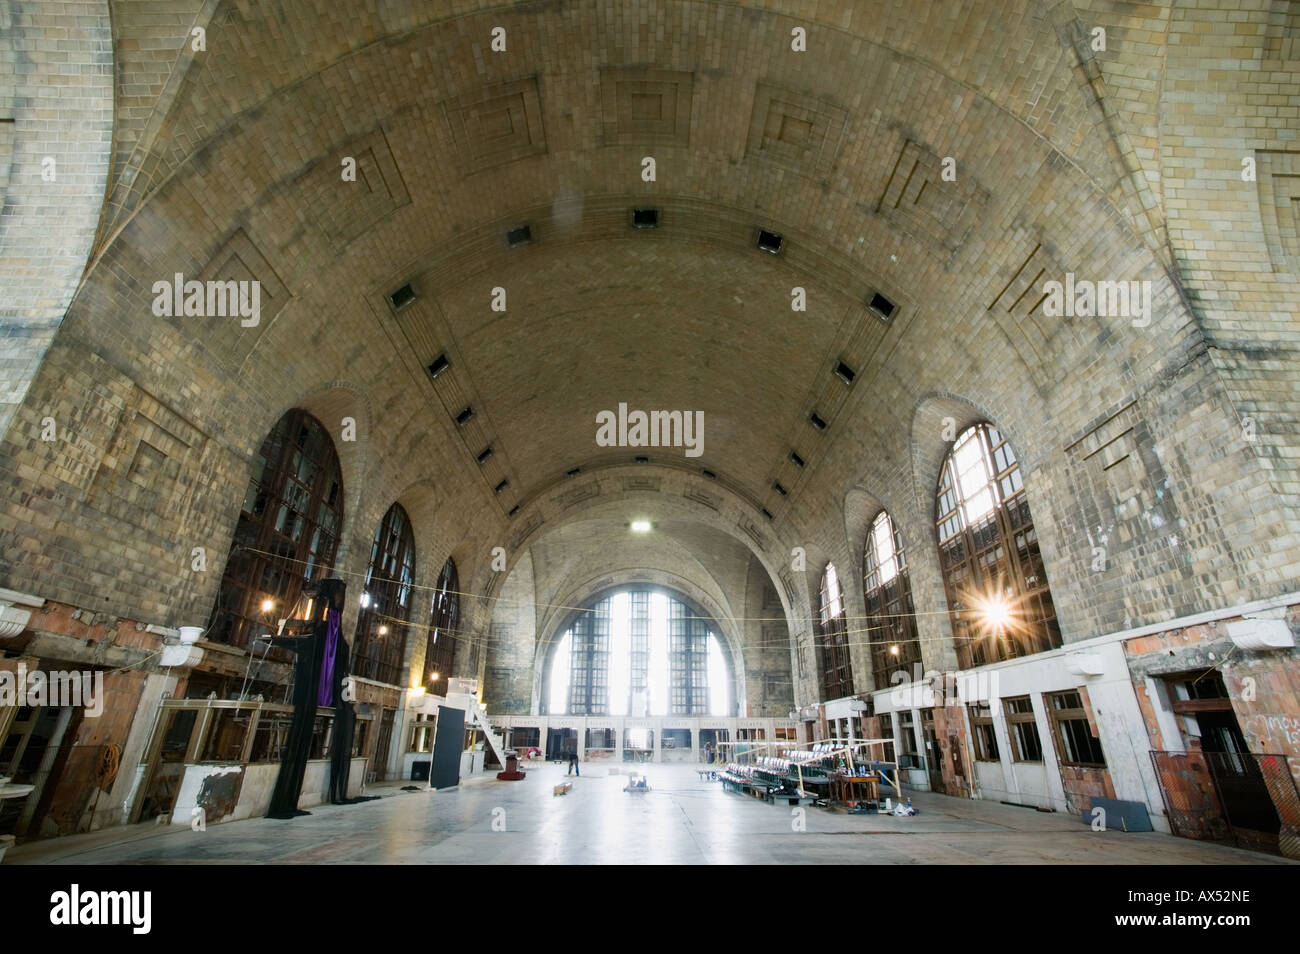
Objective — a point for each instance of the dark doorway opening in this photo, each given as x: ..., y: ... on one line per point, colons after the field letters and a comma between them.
x: 1218, y: 788
x: 560, y: 742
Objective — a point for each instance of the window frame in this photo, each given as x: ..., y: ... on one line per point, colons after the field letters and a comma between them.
x: 687, y: 634
x: 300, y: 477
x: 998, y: 552
x: 984, y: 734
x: 1072, y: 716
x: 444, y: 618
x: 1015, y: 720
x: 389, y: 586
x: 890, y: 610
x: 836, y: 664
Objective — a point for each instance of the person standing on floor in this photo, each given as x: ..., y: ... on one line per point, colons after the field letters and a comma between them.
x: 573, y: 762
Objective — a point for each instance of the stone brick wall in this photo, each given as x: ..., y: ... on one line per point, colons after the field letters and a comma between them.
x: 56, y: 129
x: 512, y: 644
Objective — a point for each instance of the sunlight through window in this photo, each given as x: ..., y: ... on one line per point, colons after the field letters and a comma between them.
x: 639, y: 652
x: 658, y: 654
x: 560, y: 674
x: 717, y: 679
x: 620, y: 658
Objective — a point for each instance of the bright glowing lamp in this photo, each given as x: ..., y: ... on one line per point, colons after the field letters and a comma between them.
x: 640, y: 526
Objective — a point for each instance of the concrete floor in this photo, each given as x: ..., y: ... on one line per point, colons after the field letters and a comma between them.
x: 682, y: 820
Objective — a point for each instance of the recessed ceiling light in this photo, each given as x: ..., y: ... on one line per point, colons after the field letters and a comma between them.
x: 769, y: 241
x: 882, y: 306
x: 641, y: 526
x: 402, y: 297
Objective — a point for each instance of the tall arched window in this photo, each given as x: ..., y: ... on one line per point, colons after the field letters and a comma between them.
x: 287, y: 531
x: 837, y: 672
x: 639, y: 652
x: 890, y: 614
x: 386, y: 600
x: 998, y: 597
x: 440, y: 649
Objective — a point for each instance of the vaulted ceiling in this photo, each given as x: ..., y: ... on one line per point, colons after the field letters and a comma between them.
x: 840, y: 150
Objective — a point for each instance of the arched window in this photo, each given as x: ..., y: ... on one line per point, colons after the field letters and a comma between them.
x: 287, y: 531
x: 993, y: 574
x: 837, y: 673
x: 440, y: 649
x: 891, y: 618
x: 386, y: 600
x: 639, y: 652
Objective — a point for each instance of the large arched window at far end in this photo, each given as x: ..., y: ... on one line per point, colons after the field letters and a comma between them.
x: 837, y: 672
x: 891, y: 616
x: 998, y: 597
x: 639, y: 652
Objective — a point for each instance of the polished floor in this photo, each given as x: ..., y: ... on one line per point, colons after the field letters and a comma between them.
x: 681, y: 820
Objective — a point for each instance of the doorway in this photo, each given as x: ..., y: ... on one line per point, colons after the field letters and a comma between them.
x: 1207, y: 721
x: 167, y: 764
x: 709, y: 739
x: 37, y: 741
x: 933, y: 754
x: 384, y: 743
x: 560, y: 742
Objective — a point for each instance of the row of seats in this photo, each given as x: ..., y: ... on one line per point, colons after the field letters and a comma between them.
x: 738, y: 773
x: 822, y: 750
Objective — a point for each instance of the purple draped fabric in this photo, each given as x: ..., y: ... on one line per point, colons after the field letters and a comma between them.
x: 333, y: 623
